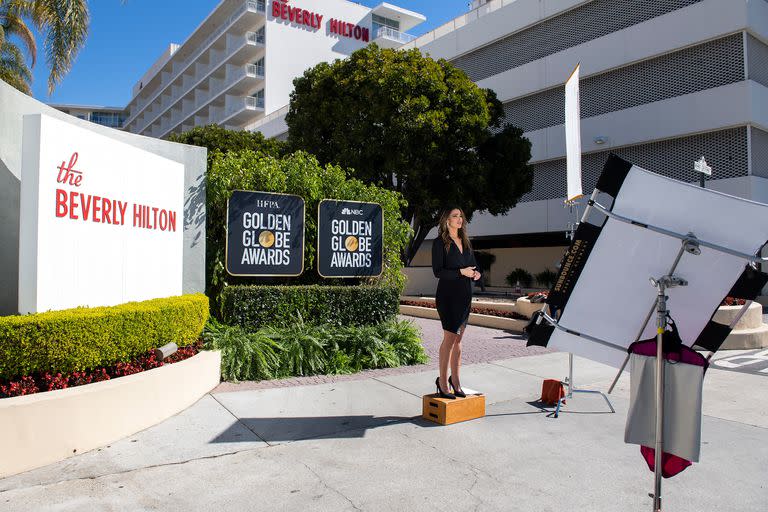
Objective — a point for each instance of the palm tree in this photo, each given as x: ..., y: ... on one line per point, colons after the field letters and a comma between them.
x: 13, y: 70
x: 64, y: 24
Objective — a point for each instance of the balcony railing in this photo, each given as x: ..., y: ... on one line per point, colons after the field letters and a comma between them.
x: 256, y: 37
x: 204, y: 72
x: 216, y: 88
x: 248, y: 5
x: 254, y: 70
x: 253, y: 102
x: 238, y: 104
x: 461, y: 21
x: 394, y: 35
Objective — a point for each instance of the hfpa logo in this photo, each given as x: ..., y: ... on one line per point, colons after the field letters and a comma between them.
x: 347, y: 211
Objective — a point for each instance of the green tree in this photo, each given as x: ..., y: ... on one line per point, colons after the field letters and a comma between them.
x: 219, y: 139
x: 301, y: 174
x: 64, y: 24
x: 415, y: 125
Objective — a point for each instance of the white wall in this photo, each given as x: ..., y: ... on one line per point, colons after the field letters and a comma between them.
x: 678, y: 29
x: 14, y: 106
x: 479, y: 28
x: 81, y: 243
x: 293, y: 48
x: 736, y: 104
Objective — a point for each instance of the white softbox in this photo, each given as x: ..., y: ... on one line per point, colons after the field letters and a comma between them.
x: 603, y: 289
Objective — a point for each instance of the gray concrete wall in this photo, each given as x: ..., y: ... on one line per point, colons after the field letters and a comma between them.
x: 13, y: 106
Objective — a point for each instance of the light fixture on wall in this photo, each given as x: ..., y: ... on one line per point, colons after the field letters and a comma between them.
x: 600, y: 140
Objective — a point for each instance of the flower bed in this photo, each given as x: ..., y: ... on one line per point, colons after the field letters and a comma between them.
x: 475, y: 309
x: 48, y: 381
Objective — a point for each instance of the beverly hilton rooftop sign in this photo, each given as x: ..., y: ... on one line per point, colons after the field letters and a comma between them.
x: 298, y: 16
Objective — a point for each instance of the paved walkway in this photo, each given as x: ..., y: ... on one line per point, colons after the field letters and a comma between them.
x: 361, y: 446
x: 479, y: 345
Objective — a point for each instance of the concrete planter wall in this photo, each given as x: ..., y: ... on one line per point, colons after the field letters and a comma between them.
x: 752, y: 319
x: 495, y: 322
x: 525, y: 307
x: 43, y: 428
x: 501, y: 306
x: 750, y: 332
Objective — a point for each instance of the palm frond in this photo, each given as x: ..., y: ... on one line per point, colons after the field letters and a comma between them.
x: 65, y: 23
x: 12, y: 24
x: 13, y: 70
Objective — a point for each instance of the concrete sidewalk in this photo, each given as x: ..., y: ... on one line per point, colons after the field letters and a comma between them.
x: 359, y: 445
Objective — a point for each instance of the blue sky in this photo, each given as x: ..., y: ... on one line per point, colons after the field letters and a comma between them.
x: 127, y: 37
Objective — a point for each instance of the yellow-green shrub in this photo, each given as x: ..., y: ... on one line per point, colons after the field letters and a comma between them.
x: 86, y: 338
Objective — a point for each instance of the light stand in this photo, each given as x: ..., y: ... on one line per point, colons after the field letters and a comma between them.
x: 570, y: 235
x: 692, y: 245
x: 661, y: 284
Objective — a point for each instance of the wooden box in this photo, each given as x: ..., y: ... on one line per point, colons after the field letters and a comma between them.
x: 446, y: 411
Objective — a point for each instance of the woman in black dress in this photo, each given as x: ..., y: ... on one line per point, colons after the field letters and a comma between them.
x: 454, y: 265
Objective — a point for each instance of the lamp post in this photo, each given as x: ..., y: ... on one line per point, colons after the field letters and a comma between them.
x: 703, y: 169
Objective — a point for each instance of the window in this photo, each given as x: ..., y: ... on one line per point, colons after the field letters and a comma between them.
x: 259, y: 66
x: 259, y: 95
x: 382, y: 25
x: 111, y: 119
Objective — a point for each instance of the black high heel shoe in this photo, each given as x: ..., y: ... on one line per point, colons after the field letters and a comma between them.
x: 457, y: 392
x: 441, y: 393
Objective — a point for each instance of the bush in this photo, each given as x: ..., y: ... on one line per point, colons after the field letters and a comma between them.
x: 520, y: 275
x: 257, y: 306
x: 220, y: 140
x: 546, y: 278
x: 299, y: 174
x: 244, y: 355
x: 86, y: 338
x: 301, y: 349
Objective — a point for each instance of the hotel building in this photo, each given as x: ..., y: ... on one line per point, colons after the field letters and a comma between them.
x: 112, y: 117
x: 664, y: 82
x: 238, y: 65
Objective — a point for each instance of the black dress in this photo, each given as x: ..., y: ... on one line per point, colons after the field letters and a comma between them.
x: 454, y: 291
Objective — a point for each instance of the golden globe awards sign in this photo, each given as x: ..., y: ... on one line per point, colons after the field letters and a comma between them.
x: 265, y: 234
x: 349, y: 239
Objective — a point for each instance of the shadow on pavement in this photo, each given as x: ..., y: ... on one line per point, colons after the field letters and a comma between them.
x: 279, y: 430
x: 542, y: 407
x: 510, y: 336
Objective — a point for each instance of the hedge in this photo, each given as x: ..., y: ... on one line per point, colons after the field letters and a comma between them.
x: 85, y: 338
x: 257, y: 306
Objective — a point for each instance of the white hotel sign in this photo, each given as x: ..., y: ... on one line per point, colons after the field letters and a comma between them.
x: 101, y: 221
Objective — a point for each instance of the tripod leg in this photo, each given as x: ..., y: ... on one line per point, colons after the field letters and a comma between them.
x: 618, y: 375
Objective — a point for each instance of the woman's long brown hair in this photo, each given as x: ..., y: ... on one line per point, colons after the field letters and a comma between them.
x: 442, y: 230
